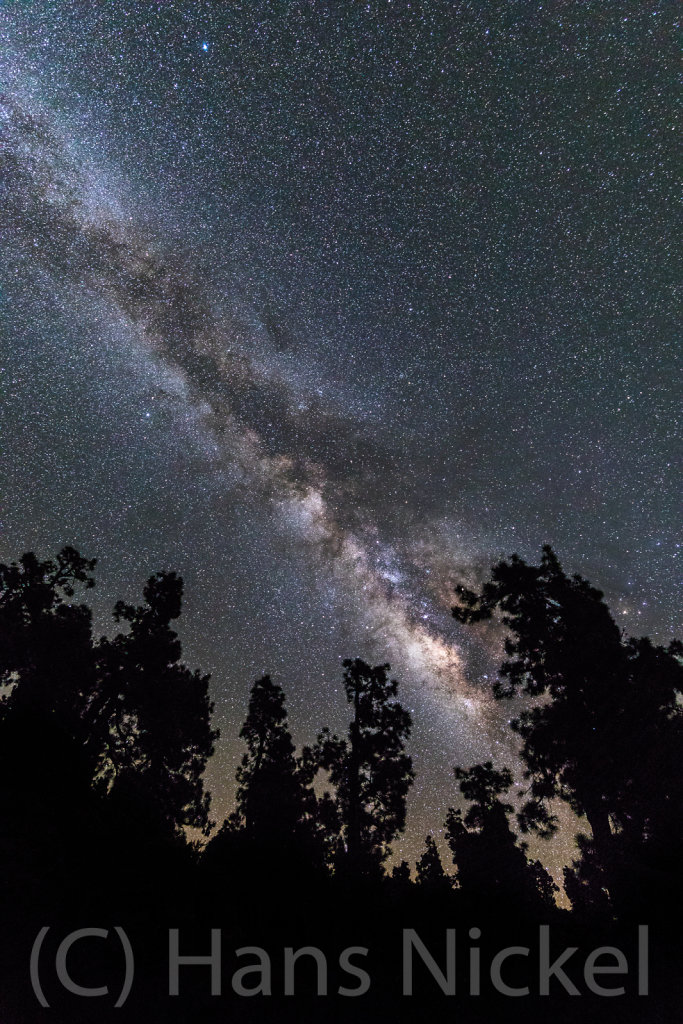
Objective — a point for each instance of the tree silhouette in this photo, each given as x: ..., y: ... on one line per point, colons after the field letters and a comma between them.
x: 608, y: 712
x: 271, y: 844
x: 431, y: 876
x: 140, y: 717
x: 563, y: 643
x: 400, y: 875
x: 649, y: 741
x: 271, y: 798
x: 584, y: 884
x: 371, y: 771
x: 152, y: 713
x: 491, y: 864
x: 482, y: 784
x: 46, y: 656
x: 47, y: 675
x: 103, y: 745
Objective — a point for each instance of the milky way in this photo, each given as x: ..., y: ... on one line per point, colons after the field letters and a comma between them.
x: 315, y: 494
x: 328, y: 309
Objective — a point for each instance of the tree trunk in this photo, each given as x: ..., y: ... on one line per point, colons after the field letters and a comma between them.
x: 598, y: 819
x: 353, y: 836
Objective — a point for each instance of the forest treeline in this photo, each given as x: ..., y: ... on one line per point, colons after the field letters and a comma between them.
x: 104, y: 742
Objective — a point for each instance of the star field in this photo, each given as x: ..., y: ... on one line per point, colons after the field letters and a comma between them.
x: 328, y: 306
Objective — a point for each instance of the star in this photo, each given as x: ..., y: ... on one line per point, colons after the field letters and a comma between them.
x: 369, y: 313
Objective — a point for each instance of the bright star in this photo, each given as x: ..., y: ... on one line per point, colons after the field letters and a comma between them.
x: 205, y: 47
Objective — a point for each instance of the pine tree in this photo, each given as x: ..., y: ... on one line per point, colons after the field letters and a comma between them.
x: 562, y: 644
x: 604, y: 728
x: 271, y: 798
x: 431, y: 876
x: 150, y: 713
x: 371, y: 771
x: 47, y: 665
x: 271, y: 844
x: 492, y: 866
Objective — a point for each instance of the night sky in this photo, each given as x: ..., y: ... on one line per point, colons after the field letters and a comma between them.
x: 328, y: 306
